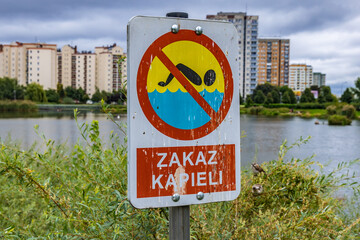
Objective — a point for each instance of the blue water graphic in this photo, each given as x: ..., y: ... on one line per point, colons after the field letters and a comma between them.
x: 180, y: 110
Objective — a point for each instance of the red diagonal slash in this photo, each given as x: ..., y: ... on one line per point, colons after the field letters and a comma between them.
x: 185, y: 83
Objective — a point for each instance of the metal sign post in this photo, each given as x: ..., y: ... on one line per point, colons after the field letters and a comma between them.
x: 179, y: 223
x: 183, y: 115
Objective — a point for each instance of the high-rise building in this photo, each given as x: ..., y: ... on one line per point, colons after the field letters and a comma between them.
x: 247, y: 28
x: 301, y: 77
x: 111, y: 70
x: 29, y: 63
x: 273, y: 61
x: 319, y: 79
x: 66, y: 73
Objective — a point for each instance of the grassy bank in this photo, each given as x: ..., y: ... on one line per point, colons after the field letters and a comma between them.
x: 81, y: 193
x: 288, y: 112
x: 18, y: 106
x: 115, y: 109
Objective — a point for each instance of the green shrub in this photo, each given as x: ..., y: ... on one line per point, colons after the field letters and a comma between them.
x: 255, y: 110
x: 68, y: 100
x: 331, y: 110
x: 17, y: 105
x: 349, y: 111
x: 339, y: 120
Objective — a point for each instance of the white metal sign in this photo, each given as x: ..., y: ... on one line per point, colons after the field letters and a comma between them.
x: 183, y: 112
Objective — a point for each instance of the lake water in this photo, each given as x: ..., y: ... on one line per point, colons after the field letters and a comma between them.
x: 264, y: 135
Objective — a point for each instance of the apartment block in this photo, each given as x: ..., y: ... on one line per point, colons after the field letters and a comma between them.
x: 247, y: 28
x: 84, y: 71
x: 319, y: 79
x: 29, y: 63
x: 46, y: 65
x: 110, y: 69
x: 66, y: 71
x: 301, y: 77
x: 273, y: 61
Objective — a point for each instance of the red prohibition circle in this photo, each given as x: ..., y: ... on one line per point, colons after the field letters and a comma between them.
x: 155, y: 50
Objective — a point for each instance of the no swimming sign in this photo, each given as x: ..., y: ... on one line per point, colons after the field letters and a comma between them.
x: 183, y: 112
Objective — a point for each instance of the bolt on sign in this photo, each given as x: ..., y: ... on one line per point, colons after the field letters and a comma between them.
x: 183, y: 112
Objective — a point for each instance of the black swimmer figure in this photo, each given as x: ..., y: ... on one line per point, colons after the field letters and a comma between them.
x: 193, y: 77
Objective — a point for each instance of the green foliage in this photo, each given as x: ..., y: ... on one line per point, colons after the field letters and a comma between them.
x: 356, y: 90
x: 259, y: 97
x: 98, y: 96
x: 68, y: 100
x: 269, y: 98
x: 81, y: 193
x: 35, y: 93
x: 241, y: 99
x: 249, y: 102
x: 52, y: 96
x: 347, y: 96
x: 295, y: 204
x: 299, y: 106
x: 326, y: 95
x: 349, y: 111
x: 288, y: 95
x: 9, y: 89
x: 18, y: 105
x: 60, y: 90
x: 331, y: 110
x: 339, y: 120
x: 77, y: 94
x: 255, y: 110
x: 307, y: 96
x: 286, y: 98
x: 276, y: 96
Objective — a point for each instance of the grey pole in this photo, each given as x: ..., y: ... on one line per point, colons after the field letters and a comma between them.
x: 179, y: 223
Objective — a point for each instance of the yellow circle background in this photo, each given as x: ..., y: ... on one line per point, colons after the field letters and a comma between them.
x: 192, y: 55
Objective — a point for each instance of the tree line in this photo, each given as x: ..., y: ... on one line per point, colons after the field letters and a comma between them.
x: 11, y: 90
x: 269, y: 94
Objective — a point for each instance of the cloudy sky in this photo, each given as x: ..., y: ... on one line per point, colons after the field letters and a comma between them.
x: 323, y: 33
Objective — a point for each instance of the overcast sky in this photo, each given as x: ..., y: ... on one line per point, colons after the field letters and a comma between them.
x: 322, y: 33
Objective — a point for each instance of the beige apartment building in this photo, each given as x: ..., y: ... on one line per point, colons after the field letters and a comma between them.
x: 301, y: 77
x: 29, y: 63
x: 46, y: 65
x: 273, y: 61
x: 110, y: 70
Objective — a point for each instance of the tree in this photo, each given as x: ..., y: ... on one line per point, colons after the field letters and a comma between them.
x: 286, y: 97
x: 259, y: 97
x: 97, y: 96
x: 52, y: 95
x: 325, y: 91
x: 307, y: 96
x: 60, y: 90
x: 269, y: 98
x: 347, y: 96
x: 265, y: 88
x: 356, y: 90
x: 291, y: 95
x: 249, y: 102
x: 70, y: 92
x: 241, y: 99
x: 35, y: 92
x: 9, y: 89
x: 276, y: 96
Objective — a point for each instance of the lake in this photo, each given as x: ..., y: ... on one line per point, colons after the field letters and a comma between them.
x: 264, y: 135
